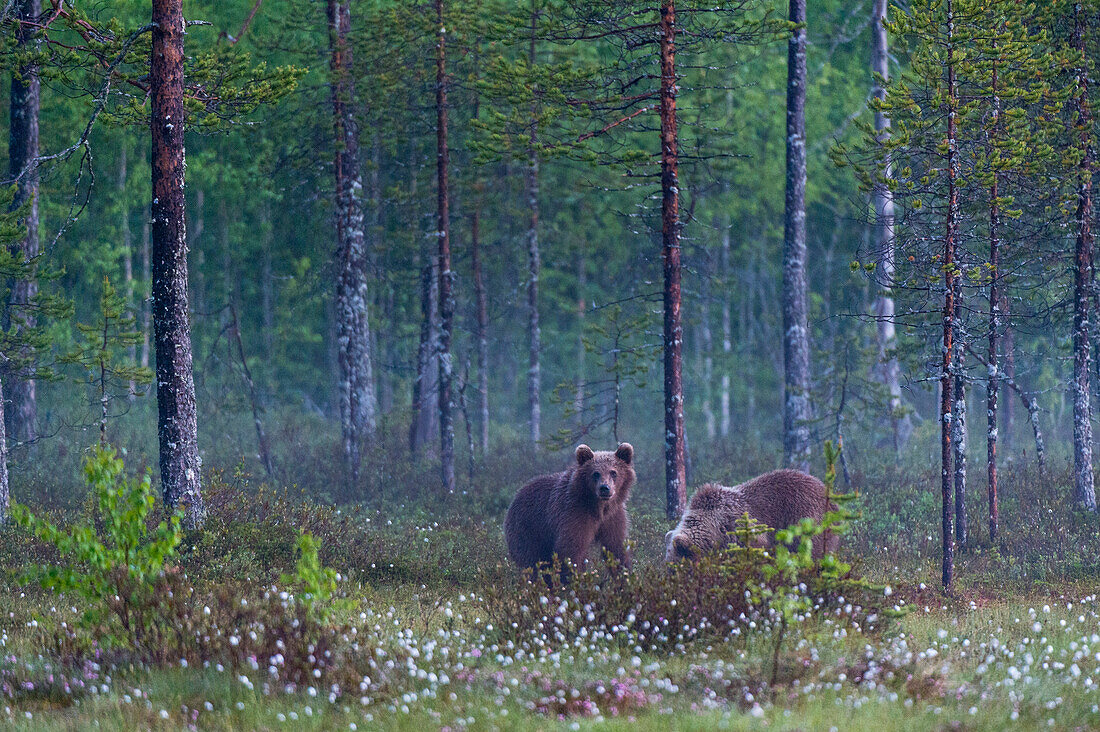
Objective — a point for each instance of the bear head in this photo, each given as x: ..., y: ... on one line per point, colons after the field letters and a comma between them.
x: 606, y: 476
x: 704, y: 524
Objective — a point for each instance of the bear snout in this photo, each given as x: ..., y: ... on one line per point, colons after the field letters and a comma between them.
x: 604, y: 491
x: 678, y: 547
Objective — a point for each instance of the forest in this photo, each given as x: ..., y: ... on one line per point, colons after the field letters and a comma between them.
x: 306, y: 304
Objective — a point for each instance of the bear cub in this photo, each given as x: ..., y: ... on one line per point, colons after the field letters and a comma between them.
x: 564, y: 513
x: 777, y: 499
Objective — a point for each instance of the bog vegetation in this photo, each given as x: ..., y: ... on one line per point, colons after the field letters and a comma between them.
x: 296, y: 296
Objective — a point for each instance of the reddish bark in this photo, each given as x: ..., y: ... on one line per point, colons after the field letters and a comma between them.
x: 180, y: 464
x: 675, y: 470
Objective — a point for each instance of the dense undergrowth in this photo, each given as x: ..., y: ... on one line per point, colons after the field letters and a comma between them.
x: 429, y: 624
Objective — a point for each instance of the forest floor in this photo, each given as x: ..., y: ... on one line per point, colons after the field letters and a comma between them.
x: 1010, y: 648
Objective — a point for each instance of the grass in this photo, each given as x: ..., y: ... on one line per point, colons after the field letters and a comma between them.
x: 1018, y: 645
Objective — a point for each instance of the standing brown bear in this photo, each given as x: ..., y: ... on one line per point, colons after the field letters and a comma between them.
x: 563, y: 513
x: 778, y: 499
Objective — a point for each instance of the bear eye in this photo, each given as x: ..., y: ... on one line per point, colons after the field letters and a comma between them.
x: 614, y: 474
x: 595, y: 476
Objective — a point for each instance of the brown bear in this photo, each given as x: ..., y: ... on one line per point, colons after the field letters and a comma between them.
x: 563, y: 513
x: 778, y: 499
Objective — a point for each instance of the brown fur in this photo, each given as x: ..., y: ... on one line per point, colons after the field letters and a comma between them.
x: 563, y: 514
x: 778, y: 499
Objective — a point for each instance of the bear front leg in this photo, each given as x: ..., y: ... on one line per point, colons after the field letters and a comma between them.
x: 612, y: 537
x: 572, y: 552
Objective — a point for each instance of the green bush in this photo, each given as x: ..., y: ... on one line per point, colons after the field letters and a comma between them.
x: 116, y: 570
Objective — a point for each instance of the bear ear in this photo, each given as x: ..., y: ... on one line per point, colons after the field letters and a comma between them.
x: 625, y: 453
x: 584, y: 454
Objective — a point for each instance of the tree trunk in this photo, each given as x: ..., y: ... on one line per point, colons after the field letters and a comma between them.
x: 883, y: 202
x: 796, y: 344
x: 1084, y: 490
x: 727, y: 333
x: 482, y: 323
x: 357, y: 398
x: 22, y: 150
x: 253, y: 397
x: 582, y: 352
x: 992, y: 379
x: 5, y: 491
x: 946, y: 380
x: 958, y: 425
x: 706, y: 345
x: 423, y: 424
x: 146, y: 290
x: 675, y: 469
x: 127, y: 255
x: 1009, y: 371
x: 267, y: 284
x: 180, y: 464
x: 446, y: 277
x: 531, y: 181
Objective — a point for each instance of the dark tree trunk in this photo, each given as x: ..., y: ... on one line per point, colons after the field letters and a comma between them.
x: 993, y: 379
x: 127, y: 254
x: 796, y: 344
x: 180, y: 464
x: 357, y: 398
x: 675, y: 469
x: 481, y: 299
x: 446, y: 277
x: 531, y: 181
x: 146, y: 293
x: 1008, y: 348
x: 883, y: 202
x: 582, y: 352
x: 5, y: 491
x: 22, y: 150
x: 424, y: 414
x: 727, y: 333
x: 482, y: 324
x: 253, y: 397
x: 705, y: 344
x: 1084, y: 489
x: 267, y: 284
x: 946, y: 379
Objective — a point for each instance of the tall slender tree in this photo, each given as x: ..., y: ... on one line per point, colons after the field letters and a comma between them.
x: 882, y: 201
x: 1084, y: 489
x: 180, y: 464
x: 675, y: 470
x: 531, y: 183
x: 22, y: 150
x: 950, y: 242
x: 446, y: 276
x: 796, y: 344
x: 357, y: 395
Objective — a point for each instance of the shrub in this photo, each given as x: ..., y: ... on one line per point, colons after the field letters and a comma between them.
x: 118, y: 575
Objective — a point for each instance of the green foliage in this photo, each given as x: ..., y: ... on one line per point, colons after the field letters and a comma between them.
x: 317, y: 584
x: 118, y: 569
x: 99, y: 352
